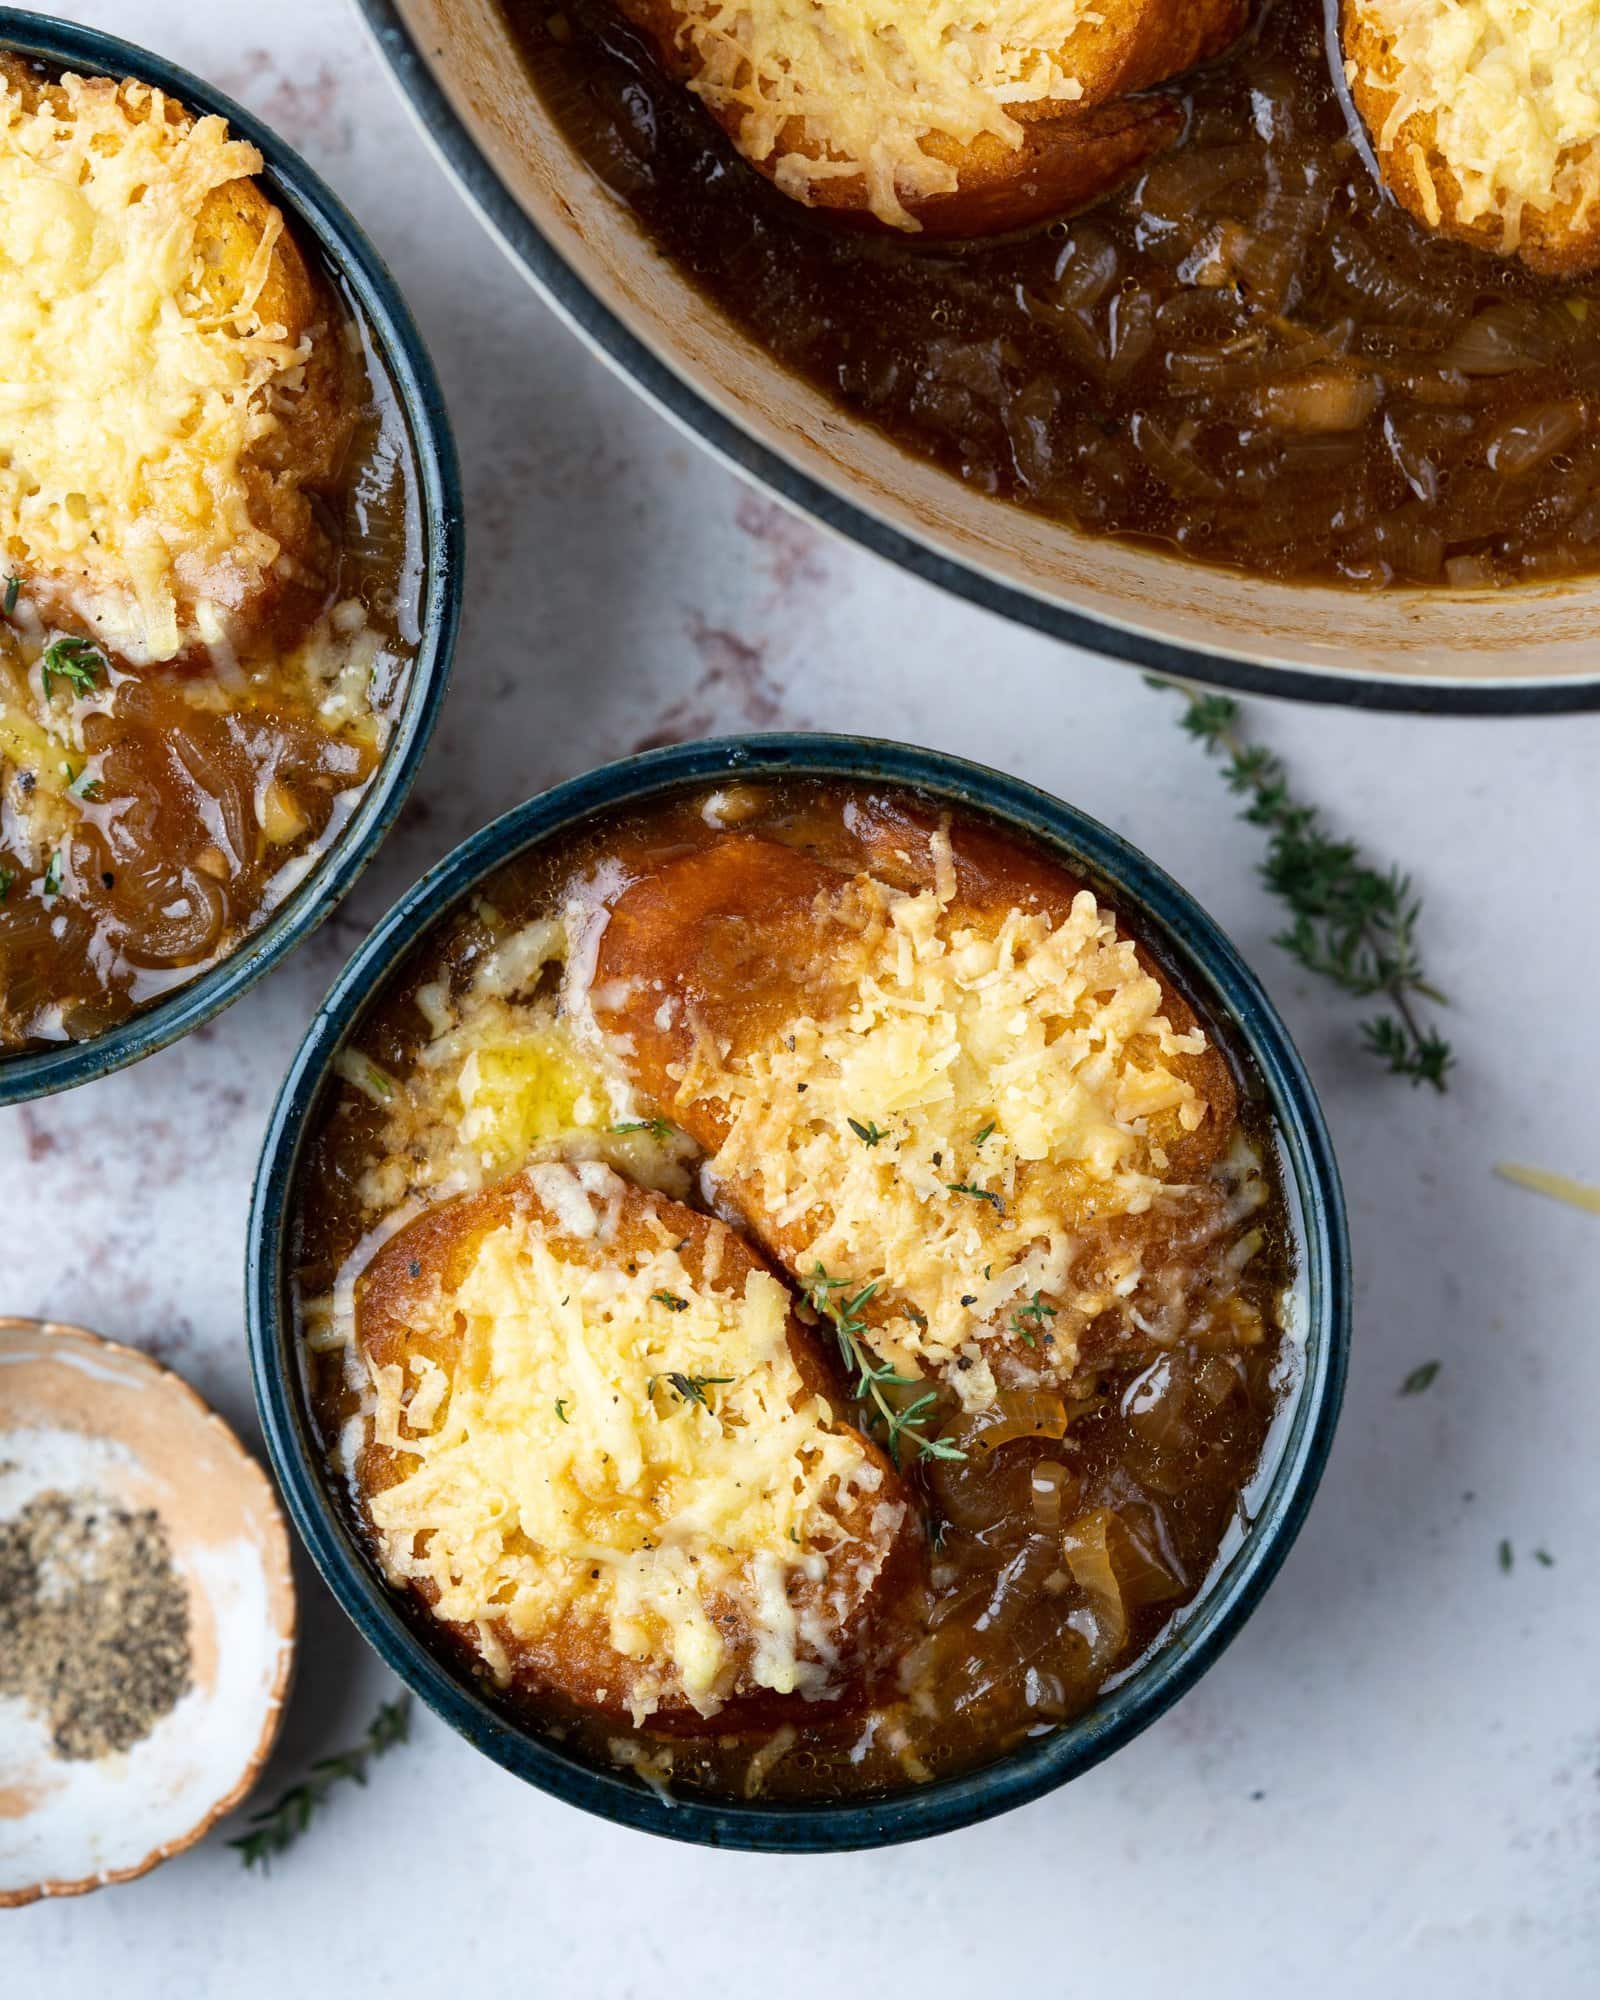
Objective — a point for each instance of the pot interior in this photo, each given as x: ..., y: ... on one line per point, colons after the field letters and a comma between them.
x: 1528, y: 646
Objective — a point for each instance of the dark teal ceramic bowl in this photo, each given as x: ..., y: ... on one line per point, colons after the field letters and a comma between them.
x: 321, y: 219
x: 1182, y: 934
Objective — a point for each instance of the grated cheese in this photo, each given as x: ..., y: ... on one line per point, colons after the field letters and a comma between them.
x: 854, y: 88
x: 555, y: 1476
x: 128, y: 409
x: 1559, y: 1187
x: 1513, y: 90
x: 503, y: 1077
x: 1013, y: 1075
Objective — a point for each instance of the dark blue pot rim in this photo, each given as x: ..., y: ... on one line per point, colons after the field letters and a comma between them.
x: 317, y: 211
x: 1181, y: 931
x: 637, y: 363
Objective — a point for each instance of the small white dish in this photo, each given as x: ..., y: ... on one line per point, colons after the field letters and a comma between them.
x: 78, y: 1413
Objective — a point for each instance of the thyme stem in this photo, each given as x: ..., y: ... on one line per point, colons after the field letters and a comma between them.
x: 903, y: 1423
x: 1354, y: 925
x: 277, y: 1827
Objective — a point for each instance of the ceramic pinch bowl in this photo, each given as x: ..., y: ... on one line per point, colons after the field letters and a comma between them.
x: 105, y: 1427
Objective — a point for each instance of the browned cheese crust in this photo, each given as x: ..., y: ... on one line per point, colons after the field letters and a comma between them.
x: 305, y: 453
x: 742, y: 935
x: 1419, y: 176
x: 397, y: 1318
x: 1071, y: 155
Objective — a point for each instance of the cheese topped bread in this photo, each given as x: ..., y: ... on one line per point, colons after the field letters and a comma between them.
x: 168, y: 381
x: 945, y: 116
x: 601, y: 1450
x: 1486, y: 119
x: 948, y: 1077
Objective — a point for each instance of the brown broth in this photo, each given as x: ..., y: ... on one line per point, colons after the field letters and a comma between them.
x: 1171, y: 1444
x: 1249, y: 355
x: 151, y: 820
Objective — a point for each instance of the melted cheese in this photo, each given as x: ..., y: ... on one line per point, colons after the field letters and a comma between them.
x: 1513, y: 90
x: 1013, y: 1076
x: 558, y: 1474
x: 503, y: 1076
x: 855, y: 87
x: 127, y: 408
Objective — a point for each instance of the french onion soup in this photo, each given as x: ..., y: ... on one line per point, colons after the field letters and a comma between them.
x: 793, y: 1293
x: 207, y: 551
x: 1301, y: 287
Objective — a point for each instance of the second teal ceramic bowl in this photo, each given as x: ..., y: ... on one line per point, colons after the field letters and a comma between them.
x: 1180, y: 933
x: 320, y: 219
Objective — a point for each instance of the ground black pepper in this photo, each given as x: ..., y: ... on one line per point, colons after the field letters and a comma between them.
x: 94, y: 1621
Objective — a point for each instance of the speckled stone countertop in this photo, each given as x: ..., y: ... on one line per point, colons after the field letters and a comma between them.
x: 1391, y: 1784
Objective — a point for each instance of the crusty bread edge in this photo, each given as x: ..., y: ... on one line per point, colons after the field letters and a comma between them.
x: 1414, y: 168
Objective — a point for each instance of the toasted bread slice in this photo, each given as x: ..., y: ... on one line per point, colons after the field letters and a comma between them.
x: 1485, y: 117
x: 604, y: 1455
x: 966, y: 123
x: 948, y: 1077
x: 205, y: 327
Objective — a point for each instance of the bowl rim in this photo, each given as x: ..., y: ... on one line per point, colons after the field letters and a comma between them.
x: 1182, y: 930
x: 631, y: 357
x: 324, y: 219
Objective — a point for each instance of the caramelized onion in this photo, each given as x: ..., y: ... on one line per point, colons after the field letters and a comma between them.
x: 1019, y: 1413
x: 1506, y: 337
x: 1050, y: 1482
x: 1020, y: 1584
x: 1171, y: 460
x: 1528, y: 437
x: 1086, y: 1546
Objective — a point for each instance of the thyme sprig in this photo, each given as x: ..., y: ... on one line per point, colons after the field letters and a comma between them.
x: 278, y: 1826
x: 659, y: 1128
x: 78, y: 662
x: 1353, y: 924
x: 692, y: 1388
x: 870, y: 1133
x: 900, y: 1423
x: 1038, y: 1309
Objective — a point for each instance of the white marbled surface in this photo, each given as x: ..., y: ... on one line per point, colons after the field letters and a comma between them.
x: 1391, y: 1784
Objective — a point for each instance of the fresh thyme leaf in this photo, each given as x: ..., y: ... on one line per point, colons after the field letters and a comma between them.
x: 869, y: 1134
x: 85, y: 785
x: 1038, y: 1309
x: 671, y: 1301
x: 277, y: 1827
x: 13, y: 591
x: 692, y: 1388
x: 1544, y: 1559
x: 76, y: 661
x: 986, y: 1133
x: 1353, y: 924
x: 900, y: 1423
x: 976, y: 1193
x: 1506, y: 1557
x: 561, y: 1410
x: 658, y: 1128
x: 1420, y: 1378
x: 7, y: 877
x: 52, y: 875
